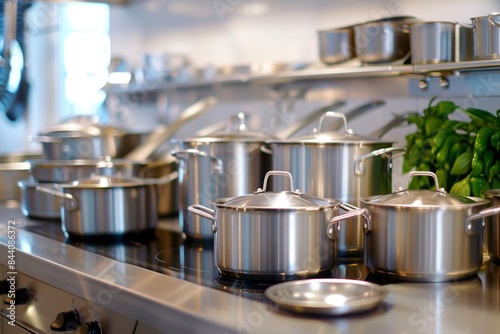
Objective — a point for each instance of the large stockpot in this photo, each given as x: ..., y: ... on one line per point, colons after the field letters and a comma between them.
x: 384, y: 40
x: 422, y: 235
x: 486, y: 31
x: 102, y: 208
x: 226, y: 164
x: 432, y: 42
x: 272, y: 235
x: 337, y: 165
x: 492, y: 227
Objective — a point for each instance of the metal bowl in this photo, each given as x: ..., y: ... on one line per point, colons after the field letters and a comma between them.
x: 328, y: 296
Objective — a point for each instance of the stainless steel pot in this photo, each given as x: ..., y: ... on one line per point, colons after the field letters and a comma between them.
x: 383, y: 41
x: 102, y: 208
x: 492, y: 228
x: 272, y: 235
x: 226, y: 164
x: 37, y: 204
x: 486, y: 36
x: 337, y: 165
x: 432, y: 42
x: 422, y: 235
x: 336, y: 45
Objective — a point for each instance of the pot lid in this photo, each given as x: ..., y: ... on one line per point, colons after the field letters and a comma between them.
x: 422, y: 198
x: 283, y: 200
x: 75, y: 130
x: 103, y: 181
x: 236, y: 130
x: 330, y: 137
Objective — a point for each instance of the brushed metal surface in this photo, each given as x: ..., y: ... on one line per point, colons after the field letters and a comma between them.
x: 327, y: 171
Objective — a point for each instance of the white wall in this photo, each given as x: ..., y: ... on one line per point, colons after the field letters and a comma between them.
x: 227, y: 32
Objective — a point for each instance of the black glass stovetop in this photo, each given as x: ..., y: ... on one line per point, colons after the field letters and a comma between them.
x: 167, y: 252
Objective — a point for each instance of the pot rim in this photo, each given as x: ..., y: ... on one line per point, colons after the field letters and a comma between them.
x: 492, y: 193
x: 477, y: 202
x: 330, y: 142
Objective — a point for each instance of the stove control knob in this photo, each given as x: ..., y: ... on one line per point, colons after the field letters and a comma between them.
x: 22, y: 297
x: 66, y: 321
x: 91, y: 327
x: 4, y: 287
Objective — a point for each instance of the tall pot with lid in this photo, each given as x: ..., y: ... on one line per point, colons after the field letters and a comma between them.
x: 225, y: 164
x: 344, y: 166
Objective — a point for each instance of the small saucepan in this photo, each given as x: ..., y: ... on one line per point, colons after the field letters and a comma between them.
x: 422, y: 235
x: 101, y: 208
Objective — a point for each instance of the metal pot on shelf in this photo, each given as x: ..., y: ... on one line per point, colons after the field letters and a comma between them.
x: 422, y: 235
x: 272, y: 235
x: 491, y: 233
x: 432, y: 42
x: 336, y: 45
x: 383, y: 41
x: 486, y: 31
x: 344, y: 166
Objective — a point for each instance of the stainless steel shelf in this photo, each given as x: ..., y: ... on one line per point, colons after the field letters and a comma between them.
x: 320, y: 72
x: 473, y: 65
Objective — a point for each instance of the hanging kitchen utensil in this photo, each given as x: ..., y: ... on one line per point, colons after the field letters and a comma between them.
x: 11, y: 60
x: 225, y: 164
x: 144, y: 151
x: 339, y: 165
x: 383, y: 41
x: 395, y: 121
x: 422, y: 235
x: 272, y: 235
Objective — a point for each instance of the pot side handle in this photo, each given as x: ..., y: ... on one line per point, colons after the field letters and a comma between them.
x: 184, y: 155
x: 204, y: 212
x: 465, y: 25
x: 474, y: 227
x: 352, y: 212
x: 360, y: 166
x: 492, y: 18
x: 58, y: 193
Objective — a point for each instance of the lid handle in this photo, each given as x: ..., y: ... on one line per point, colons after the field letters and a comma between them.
x: 422, y: 173
x: 335, y: 115
x: 238, y: 123
x: 278, y: 173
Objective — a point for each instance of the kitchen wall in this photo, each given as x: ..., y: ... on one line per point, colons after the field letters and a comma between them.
x: 241, y: 32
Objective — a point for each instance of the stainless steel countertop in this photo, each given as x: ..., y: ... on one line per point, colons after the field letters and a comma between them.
x: 165, y: 302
